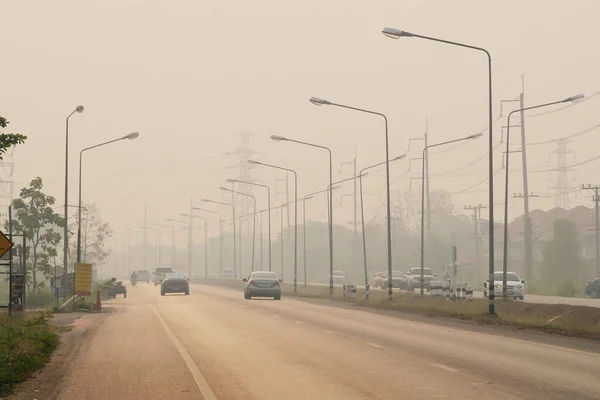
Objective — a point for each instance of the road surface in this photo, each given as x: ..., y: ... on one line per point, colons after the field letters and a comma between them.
x: 215, y: 345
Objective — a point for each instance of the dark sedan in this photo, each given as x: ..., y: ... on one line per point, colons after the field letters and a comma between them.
x: 262, y: 284
x: 592, y: 288
x: 175, y: 283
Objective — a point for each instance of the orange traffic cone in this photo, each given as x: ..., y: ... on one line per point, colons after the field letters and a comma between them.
x: 98, y: 302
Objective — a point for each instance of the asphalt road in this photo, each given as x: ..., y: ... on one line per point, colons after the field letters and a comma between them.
x: 215, y: 345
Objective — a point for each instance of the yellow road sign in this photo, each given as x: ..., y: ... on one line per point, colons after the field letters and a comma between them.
x: 5, y: 244
x: 83, y: 279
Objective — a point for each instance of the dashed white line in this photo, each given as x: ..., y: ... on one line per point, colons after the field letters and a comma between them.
x: 327, y: 331
x: 375, y: 345
x: 298, y: 322
x: 444, y: 367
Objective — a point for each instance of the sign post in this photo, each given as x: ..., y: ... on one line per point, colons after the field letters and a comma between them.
x: 83, y: 280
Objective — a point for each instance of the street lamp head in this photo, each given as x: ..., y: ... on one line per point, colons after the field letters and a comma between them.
x: 475, y: 136
x: 319, y: 102
x: 79, y: 109
x: 224, y: 188
x: 399, y: 157
x: 278, y: 138
x: 308, y: 197
x: 254, y: 162
x: 575, y: 98
x: 131, y: 136
x: 395, y: 33
x: 231, y: 180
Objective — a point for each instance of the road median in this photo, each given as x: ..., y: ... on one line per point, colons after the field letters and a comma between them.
x: 567, y: 320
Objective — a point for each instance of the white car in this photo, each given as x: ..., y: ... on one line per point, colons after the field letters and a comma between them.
x: 515, y: 288
x: 339, y: 278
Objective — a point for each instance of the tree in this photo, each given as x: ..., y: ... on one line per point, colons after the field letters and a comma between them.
x: 562, y: 261
x: 8, y: 140
x: 35, y: 218
x: 94, y: 233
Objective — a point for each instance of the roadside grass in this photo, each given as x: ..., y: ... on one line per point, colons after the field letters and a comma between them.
x: 573, y: 321
x: 26, y: 342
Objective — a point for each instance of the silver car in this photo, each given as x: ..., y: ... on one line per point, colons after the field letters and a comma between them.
x: 262, y: 284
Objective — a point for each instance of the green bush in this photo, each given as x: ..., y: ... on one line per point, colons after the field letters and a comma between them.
x: 24, y: 348
x: 40, y: 299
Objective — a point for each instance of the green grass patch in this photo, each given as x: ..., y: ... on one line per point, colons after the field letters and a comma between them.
x: 26, y: 343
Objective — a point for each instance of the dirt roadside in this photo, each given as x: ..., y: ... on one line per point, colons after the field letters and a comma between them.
x: 75, y: 330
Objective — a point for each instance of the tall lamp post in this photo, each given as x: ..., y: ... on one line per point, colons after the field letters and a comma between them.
x: 131, y: 136
x: 397, y: 34
x: 362, y: 221
x: 78, y: 109
x: 220, y: 236
x: 295, y: 215
x: 253, y: 219
x: 233, y: 222
x: 158, y: 244
x: 189, y: 225
x: 505, y: 244
x: 470, y: 137
x: 320, y: 102
x: 172, y: 228
x: 284, y: 139
x: 268, y: 207
x: 205, y: 240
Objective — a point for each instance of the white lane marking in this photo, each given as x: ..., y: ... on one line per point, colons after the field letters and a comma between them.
x: 375, y: 345
x: 444, y: 367
x: 201, y: 382
x: 327, y: 331
x: 298, y: 322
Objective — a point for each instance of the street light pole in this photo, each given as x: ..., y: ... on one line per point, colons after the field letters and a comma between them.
x: 131, y: 136
x: 320, y: 102
x: 253, y: 218
x: 268, y: 206
x: 78, y: 109
x: 205, y: 240
x: 284, y: 139
x: 362, y: 218
x: 397, y: 34
x: 470, y: 137
x: 220, y: 236
x: 307, y: 197
x: 505, y: 244
x: 295, y: 215
x: 233, y: 222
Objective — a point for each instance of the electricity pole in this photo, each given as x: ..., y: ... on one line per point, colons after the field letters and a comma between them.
x: 476, y: 210
x: 597, y: 224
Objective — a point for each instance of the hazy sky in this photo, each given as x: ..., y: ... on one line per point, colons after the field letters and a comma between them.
x: 189, y: 74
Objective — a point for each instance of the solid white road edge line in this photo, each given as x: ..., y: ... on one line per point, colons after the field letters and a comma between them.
x: 201, y: 382
x: 444, y: 367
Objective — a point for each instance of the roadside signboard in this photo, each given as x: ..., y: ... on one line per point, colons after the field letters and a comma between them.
x: 5, y: 244
x: 83, y: 279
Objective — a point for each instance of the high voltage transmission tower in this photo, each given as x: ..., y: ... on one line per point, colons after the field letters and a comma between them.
x: 562, y: 174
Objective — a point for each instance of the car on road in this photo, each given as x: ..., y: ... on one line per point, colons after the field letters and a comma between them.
x: 398, y: 280
x: 376, y: 279
x: 339, y: 278
x: 262, y: 284
x: 143, y: 276
x: 413, y: 278
x: 174, y: 283
x: 592, y: 288
x: 160, y: 274
x: 514, y: 286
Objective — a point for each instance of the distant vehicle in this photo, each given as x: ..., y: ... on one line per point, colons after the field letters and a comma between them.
x: 228, y: 274
x: 118, y: 288
x: 174, y: 283
x: 514, y: 286
x: 398, y: 280
x: 262, y: 284
x: 160, y: 273
x: 592, y: 288
x: 376, y: 280
x: 413, y: 278
x: 339, y: 277
x: 143, y: 276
